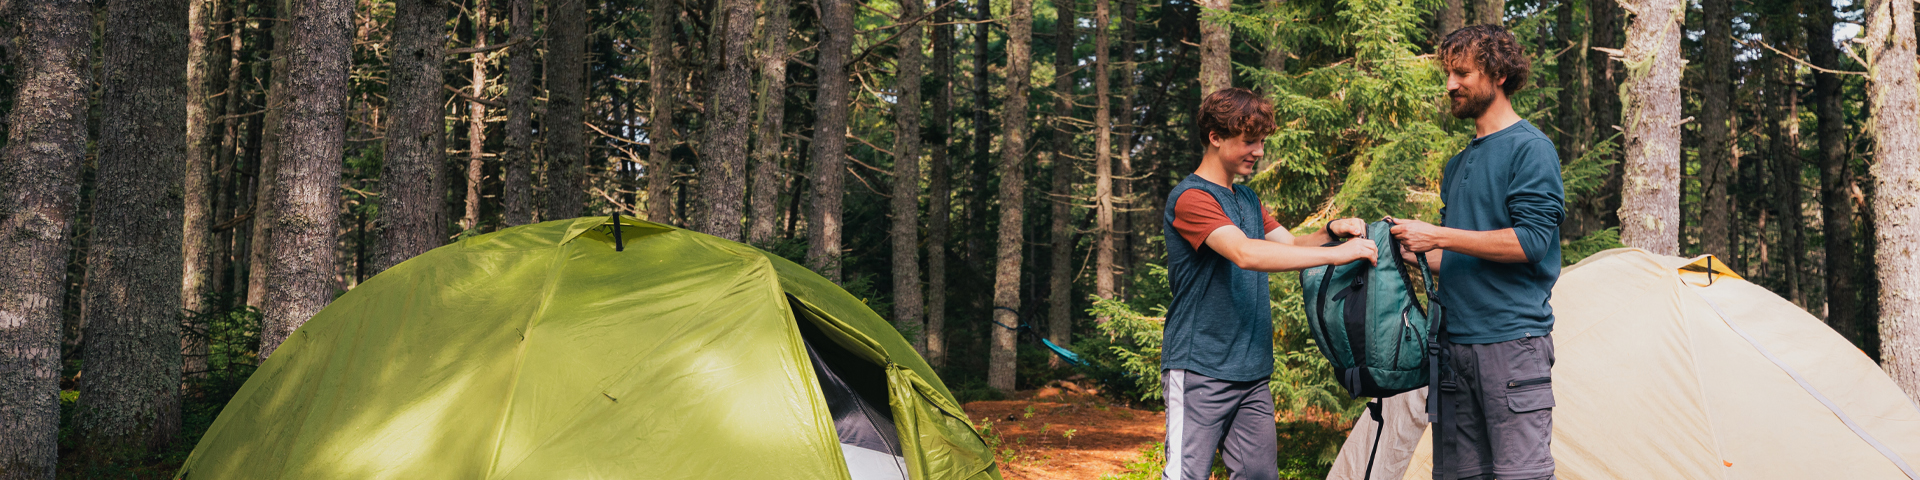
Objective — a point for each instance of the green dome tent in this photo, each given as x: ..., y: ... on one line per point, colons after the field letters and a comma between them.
x: 541, y: 352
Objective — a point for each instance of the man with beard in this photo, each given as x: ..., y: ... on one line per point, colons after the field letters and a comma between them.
x: 1217, y: 355
x: 1498, y: 253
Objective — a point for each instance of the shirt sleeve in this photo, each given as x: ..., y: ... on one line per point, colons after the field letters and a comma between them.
x: 1537, y: 200
x: 1267, y: 223
x: 1196, y: 215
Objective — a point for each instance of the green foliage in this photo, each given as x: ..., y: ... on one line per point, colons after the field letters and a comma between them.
x: 1584, y: 176
x: 1574, y: 250
x: 1136, y: 340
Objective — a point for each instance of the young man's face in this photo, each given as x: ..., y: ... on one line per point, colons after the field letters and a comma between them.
x: 1470, y: 89
x: 1240, y: 154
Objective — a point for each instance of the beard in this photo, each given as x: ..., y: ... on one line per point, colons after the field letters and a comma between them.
x: 1468, y: 103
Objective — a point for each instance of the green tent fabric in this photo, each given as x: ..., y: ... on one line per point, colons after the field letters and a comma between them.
x: 540, y: 352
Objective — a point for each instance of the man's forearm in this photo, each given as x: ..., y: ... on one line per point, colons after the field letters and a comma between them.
x: 1280, y: 257
x: 1494, y: 246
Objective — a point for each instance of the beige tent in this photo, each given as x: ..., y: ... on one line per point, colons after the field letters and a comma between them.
x: 1665, y: 371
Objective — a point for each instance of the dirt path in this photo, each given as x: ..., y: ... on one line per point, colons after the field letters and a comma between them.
x: 1062, y: 433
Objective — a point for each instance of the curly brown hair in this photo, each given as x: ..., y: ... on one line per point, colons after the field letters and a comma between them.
x: 1492, y: 49
x: 1233, y: 112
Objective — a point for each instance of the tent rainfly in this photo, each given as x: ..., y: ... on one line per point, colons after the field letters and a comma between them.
x: 556, y: 351
x: 1674, y: 368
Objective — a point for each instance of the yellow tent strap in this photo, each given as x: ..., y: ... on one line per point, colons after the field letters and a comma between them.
x: 1705, y: 269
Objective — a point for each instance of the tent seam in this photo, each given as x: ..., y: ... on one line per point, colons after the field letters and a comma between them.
x: 1706, y: 403
x: 1822, y: 398
x: 520, y: 357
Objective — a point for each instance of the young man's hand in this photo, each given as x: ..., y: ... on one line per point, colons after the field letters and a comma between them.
x: 1416, y: 236
x: 1348, y: 227
x: 1356, y: 249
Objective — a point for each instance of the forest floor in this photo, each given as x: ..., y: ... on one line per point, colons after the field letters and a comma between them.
x: 1065, y: 432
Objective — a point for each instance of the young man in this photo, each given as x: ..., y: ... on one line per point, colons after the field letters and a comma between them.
x: 1218, y: 350
x: 1498, y: 254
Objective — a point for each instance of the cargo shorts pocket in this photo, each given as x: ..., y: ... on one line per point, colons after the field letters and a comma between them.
x: 1531, y: 394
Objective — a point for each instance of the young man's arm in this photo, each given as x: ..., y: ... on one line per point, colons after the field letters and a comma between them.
x: 1348, y: 227
x: 1273, y: 256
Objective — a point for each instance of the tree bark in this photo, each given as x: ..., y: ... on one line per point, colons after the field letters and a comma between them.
x: 130, y: 396
x: 906, y: 179
x: 1216, y: 48
x: 566, y: 94
x: 1123, y: 186
x: 1896, y: 195
x: 1060, y: 284
x: 516, y: 191
x: 1103, y: 247
x: 1597, y: 211
x: 1716, y: 149
x: 199, y: 245
x: 830, y: 139
x: 1650, y: 194
x: 724, y: 161
x: 1783, y: 150
x: 1836, y: 180
x: 476, y: 119
x: 266, y: 210
x: 663, y: 81
x: 412, y: 211
x: 300, y: 268
x: 39, y: 186
x: 205, y: 56
x: 771, y: 110
x: 1453, y: 16
x: 939, y: 189
x: 1013, y: 148
x: 976, y: 208
x: 1489, y: 12
x: 1572, y: 114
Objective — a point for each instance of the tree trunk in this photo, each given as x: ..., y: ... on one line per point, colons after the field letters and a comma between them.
x: 38, y: 190
x: 130, y: 396
x: 1060, y: 284
x: 1783, y: 150
x: 939, y: 190
x: 1650, y: 194
x: 1596, y: 211
x: 1572, y: 114
x: 1013, y: 121
x: 976, y: 208
x: 199, y: 245
x: 476, y: 120
x: 412, y: 211
x: 663, y: 81
x: 1123, y: 186
x: 724, y: 161
x: 1216, y: 48
x: 1716, y: 149
x: 1103, y: 256
x: 830, y: 139
x: 566, y: 94
x: 227, y: 167
x: 300, y: 268
x: 1836, y: 205
x: 1896, y: 187
x: 266, y: 209
x: 204, y: 79
x: 516, y: 191
x: 1453, y: 16
x: 907, y: 308
x: 771, y: 110
x: 1489, y: 12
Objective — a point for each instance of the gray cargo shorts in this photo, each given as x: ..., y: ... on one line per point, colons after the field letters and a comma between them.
x: 1502, y: 423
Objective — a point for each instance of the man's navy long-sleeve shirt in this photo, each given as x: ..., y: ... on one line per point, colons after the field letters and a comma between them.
x: 1508, y: 179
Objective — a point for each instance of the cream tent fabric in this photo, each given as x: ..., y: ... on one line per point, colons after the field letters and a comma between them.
x: 1666, y: 372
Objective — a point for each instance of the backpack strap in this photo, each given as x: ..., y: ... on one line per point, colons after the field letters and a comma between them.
x: 1440, y: 380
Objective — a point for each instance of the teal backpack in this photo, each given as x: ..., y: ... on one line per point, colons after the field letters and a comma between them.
x: 1368, y: 321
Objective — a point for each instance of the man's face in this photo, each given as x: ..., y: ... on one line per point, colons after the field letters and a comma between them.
x: 1240, y: 154
x: 1470, y: 89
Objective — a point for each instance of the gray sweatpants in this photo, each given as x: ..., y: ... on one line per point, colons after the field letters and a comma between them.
x: 1502, y: 421
x: 1205, y: 414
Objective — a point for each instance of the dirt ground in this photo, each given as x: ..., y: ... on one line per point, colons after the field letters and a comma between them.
x: 1064, y: 432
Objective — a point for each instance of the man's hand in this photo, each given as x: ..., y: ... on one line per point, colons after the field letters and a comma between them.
x: 1348, y: 227
x: 1417, y: 236
x: 1356, y: 249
